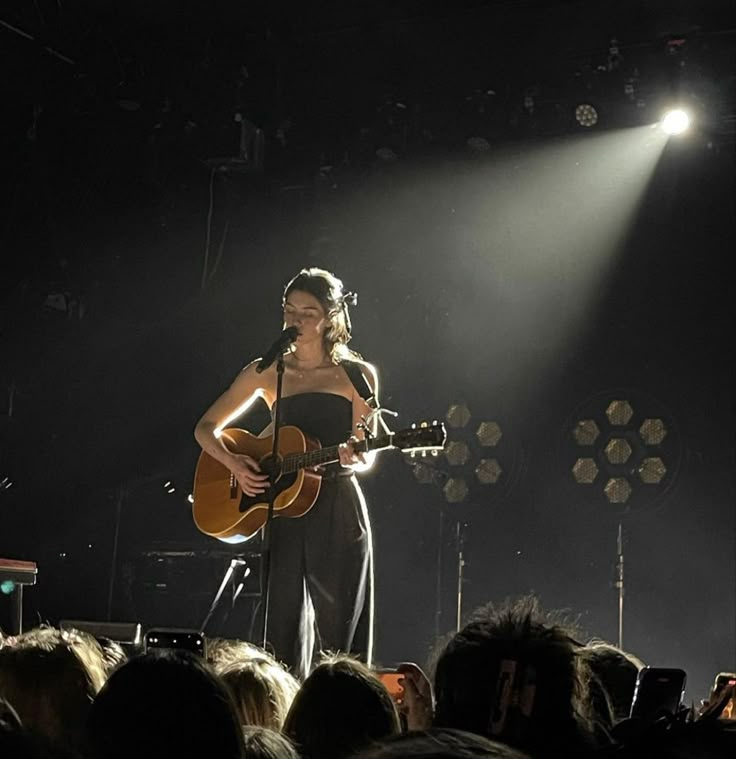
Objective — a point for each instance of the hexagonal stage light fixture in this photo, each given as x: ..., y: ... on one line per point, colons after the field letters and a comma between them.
x: 617, y: 490
x: 653, y: 431
x: 488, y: 434
x: 423, y: 474
x: 457, y: 453
x: 619, y: 413
x: 585, y: 471
x: 632, y: 457
x: 455, y: 490
x: 652, y: 470
x: 488, y: 471
x: 586, y: 432
x: 458, y: 415
x: 618, y: 450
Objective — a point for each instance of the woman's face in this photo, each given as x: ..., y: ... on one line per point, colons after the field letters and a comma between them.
x: 303, y: 311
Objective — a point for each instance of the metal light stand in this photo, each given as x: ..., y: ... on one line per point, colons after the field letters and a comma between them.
x: 273, y: 474
x: 460, y: 542
x: 619, y: 583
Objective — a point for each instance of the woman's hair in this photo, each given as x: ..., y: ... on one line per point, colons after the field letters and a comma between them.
x: 50, y: 677
x: 616, y: 671
x: 262, y: 689
x: 164, y: 703
x: 265, y: 743
x: 328, y: 290
x: 440, y: 743
x: 340, y: 708
x: 221, y: 652
x: 113, y: 654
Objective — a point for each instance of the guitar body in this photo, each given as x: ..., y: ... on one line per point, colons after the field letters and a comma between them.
x: 221, y: 509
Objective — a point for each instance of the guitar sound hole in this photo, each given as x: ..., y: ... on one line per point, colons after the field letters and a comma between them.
x: 282, y: 483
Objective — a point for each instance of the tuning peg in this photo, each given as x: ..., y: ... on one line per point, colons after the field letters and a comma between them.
x: 423, y: 425
x: 434, y: 422
x: 413, y: 425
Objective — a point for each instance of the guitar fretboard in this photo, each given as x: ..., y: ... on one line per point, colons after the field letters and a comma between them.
x: 293, y: 462
x: 322, y: 456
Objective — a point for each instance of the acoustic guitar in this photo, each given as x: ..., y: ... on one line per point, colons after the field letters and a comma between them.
x: 221, y: 509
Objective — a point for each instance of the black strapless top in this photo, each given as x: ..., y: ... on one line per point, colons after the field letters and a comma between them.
x: 325, y: 416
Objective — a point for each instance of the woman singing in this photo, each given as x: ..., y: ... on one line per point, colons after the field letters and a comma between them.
x: 321, y: 593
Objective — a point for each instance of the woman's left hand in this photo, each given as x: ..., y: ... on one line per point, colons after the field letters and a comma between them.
x: 348, y: 455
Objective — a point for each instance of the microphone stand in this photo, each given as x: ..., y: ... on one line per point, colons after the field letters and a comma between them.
x: 619, y: 583
x: 273, y: 475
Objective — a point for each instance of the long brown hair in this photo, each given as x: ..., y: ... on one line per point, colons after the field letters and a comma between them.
x: 329, y: 291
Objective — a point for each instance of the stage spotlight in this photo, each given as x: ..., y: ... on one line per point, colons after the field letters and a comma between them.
x: 675, y: 122
x: 586, y: 115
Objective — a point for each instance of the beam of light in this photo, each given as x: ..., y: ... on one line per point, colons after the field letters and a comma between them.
x: 537, y: 237
x: 675, y: 122
x: 238, y: 411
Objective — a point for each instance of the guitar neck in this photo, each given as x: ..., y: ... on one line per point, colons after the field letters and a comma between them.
x: 293, y: 462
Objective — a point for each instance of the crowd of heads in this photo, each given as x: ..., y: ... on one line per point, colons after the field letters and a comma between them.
x: 514, y: 682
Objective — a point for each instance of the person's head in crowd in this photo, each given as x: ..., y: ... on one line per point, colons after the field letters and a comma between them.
x: 222, y: 652
x: 262, y: 689
x: 440, y: 743
x: 164, y: 704
x: 340, y: 707
x: 50, y: 677
x: 616, y: 670
x: 513, y: 674
x: 113, y: 654
x: 265, y: 743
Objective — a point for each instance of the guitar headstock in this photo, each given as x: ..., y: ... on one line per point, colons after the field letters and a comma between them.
x: 421, y: 439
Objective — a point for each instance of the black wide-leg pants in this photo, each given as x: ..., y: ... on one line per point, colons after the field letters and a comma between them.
x: 321, y: 596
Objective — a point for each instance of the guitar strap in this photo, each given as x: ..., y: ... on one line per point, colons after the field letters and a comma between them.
x: 360, y: 383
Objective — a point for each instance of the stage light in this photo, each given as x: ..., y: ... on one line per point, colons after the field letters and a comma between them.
x: 458, y: 415
x: 618, y: 450
x: 653, y: 431
x: 478, y: 144
x: 652, y: 470
x: 585, y: 470
x: 617, y: 490
x: 623, y: 457
x: 619, y: 413
x: 457, y: 453
x: 586, y: 432
x: 586, y: 115
x: 488, y: 434
x: 488, y: 471
x: 455, y: 490
x: 675, y: 122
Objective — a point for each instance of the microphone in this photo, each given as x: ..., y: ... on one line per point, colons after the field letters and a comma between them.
x: 282, y: 344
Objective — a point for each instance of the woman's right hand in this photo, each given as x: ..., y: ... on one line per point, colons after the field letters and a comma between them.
x: 248, y: 474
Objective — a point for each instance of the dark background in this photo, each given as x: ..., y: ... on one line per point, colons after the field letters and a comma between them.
x: 118, y: 135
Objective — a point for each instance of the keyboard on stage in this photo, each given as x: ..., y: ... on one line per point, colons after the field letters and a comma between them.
x: 14, y: 574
